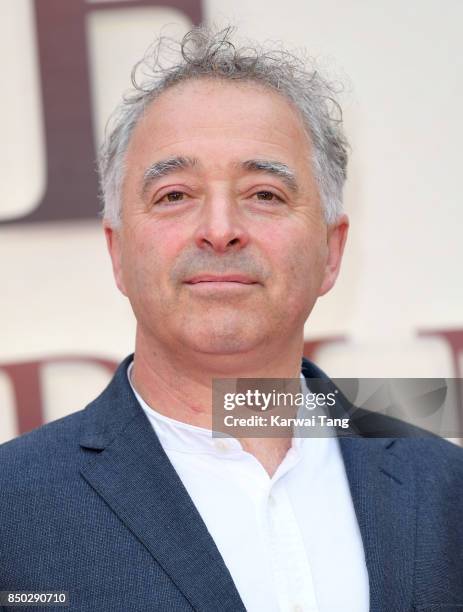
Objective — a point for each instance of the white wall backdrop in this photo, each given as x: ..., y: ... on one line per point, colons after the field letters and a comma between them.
x: 402, y: 63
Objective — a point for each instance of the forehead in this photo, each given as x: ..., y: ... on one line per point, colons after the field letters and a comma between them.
x: 227, y: 119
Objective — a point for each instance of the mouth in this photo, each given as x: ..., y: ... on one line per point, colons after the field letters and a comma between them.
x: 221, y: 279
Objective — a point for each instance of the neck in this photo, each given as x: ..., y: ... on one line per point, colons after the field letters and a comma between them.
x: 180, y: 385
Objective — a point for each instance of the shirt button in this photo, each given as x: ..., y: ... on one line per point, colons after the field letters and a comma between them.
x: 297, y: 608
x: 272, y: 502
x: 221, y: 445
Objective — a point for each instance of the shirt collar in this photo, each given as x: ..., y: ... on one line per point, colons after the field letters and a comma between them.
x: 183, y: 437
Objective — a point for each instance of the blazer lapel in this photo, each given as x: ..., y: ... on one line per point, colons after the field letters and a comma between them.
x: 383, y: 494
x: 382, y: 486
x: 134, y: 476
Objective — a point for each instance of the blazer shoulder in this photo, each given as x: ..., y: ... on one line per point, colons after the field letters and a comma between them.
x: 40, y: 448
x: 438, y: 452
x: 430, y: 452
x: 434, y: 458
x: 437, y: 462
x: 55, y: 451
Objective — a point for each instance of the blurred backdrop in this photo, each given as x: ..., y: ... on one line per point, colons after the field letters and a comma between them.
x: 397, y: 309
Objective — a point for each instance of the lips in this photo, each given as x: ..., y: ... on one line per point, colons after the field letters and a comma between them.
x: 224, y: 278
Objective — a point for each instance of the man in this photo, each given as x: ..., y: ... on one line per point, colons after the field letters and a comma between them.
x: 222, y: 179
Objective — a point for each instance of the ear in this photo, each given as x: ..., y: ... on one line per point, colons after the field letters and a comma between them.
x: 336, y: 240
x: 113, y: 242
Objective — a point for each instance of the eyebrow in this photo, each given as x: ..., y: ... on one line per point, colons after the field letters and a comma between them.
x: 163, y: 168
x: 278, y: 169
x: 167, y: 166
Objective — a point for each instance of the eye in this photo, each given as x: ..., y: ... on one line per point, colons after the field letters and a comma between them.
x: 172, y: 196
x: 267, y: 195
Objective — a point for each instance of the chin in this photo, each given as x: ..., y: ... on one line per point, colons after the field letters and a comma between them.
x: 218, y: 339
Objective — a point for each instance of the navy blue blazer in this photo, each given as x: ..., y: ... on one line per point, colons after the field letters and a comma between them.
x: 90, y: 504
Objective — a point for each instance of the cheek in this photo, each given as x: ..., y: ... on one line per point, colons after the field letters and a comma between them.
x: 144, y: 258
x: 150, y: 246
x: 297, y: 256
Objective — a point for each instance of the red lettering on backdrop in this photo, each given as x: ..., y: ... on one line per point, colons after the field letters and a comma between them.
x: 62, y: 49
x: 25, y: 377
x: 27, y: 391
x: 311, y: 347
x: 454, y: 339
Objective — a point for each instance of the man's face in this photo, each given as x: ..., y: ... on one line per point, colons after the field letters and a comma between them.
x: 223, y: 247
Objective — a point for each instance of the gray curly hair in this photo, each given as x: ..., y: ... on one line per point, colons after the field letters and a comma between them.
x: 207, y: 53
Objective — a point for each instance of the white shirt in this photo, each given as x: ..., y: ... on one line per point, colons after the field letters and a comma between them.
x: 291, y: 542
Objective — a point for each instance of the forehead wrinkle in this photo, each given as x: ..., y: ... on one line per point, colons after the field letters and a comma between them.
x: 278, y: 169
x: 164, y: 167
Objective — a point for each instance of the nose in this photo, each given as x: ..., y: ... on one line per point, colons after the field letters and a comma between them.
x: 221, y: 227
